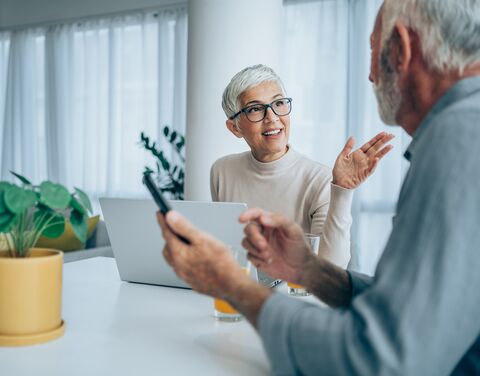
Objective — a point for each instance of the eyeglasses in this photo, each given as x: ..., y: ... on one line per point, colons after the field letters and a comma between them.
x: 258, y: 112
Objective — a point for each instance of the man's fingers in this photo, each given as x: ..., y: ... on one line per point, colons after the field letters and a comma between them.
x: 251, y: 215
x: 251, y: 249
x: 161, y: 220
x: 280, y: 222
x: 181, y: 226
x: 254, y: 233
x: 257, y: 261
x: 168, y: 256
x: 167, y: 233
x: 264, y: 218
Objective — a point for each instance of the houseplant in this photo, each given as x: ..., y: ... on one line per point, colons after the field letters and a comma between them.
x: 169, y: 175
x: 31, y: 278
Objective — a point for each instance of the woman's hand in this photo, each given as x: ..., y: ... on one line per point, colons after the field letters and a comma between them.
x: 352, y: 169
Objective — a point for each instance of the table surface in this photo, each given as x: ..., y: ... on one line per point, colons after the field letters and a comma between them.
x: 120, y: 328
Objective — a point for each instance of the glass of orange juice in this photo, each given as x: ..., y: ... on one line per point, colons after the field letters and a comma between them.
x: 314, y: 242
x: 223, y: 311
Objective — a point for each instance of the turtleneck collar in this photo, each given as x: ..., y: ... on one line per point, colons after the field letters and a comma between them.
x: 285, y: 162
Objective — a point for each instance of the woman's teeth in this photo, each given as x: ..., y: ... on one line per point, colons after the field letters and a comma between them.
x: 271, y: 133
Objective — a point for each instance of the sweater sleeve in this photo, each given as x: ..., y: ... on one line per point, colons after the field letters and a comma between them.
x: 214, y: 182
x: 335, y: 228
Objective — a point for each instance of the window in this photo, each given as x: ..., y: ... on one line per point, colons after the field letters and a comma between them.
x: 326, y: 61
x: 106, y: 80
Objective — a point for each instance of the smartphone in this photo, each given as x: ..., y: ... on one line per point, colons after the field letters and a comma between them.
x: 162, y: 203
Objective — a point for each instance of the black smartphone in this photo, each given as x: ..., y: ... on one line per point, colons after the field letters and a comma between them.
x: 162, y: 203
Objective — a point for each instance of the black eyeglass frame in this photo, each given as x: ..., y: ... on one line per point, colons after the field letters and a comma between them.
x: 265, y: 109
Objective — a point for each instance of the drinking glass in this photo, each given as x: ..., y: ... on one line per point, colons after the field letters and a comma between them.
x: 223, y: 311
x: 314, y: 242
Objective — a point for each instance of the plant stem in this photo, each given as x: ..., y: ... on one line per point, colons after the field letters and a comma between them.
x: 39, y: 232
x: 11, y: 247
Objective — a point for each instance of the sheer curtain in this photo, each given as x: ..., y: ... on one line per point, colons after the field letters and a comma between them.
x: 325, y: 69
x: 97, y: 84
x: 4, y: 52
x: 23, y: 138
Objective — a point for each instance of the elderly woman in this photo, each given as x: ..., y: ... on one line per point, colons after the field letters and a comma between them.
x: 275, y: 177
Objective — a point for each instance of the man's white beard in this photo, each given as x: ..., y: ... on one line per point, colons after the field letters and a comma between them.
x: 387, y: 92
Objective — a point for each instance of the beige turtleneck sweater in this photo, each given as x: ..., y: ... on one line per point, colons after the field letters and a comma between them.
x: 295, y: 186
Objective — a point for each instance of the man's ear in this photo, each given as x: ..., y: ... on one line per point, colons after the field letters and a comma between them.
x: 401, y: 47
x: 232, y: 127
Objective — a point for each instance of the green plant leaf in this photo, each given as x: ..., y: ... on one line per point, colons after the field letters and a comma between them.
x: 56, y: 226
x: 180, y: 144
x: 6, y: 221
x: 166, y: 131
x: 3, y: 208
x: 84, y: 200
x: 75, y: 204
x: 4, y: 185
x: 79, y: 225
x: 173, y: 136
x: 23, y: 179
x: 54, y: 195
x: 17, y: 199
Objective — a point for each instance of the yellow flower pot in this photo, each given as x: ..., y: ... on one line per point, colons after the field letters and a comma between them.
x: 30, y: 298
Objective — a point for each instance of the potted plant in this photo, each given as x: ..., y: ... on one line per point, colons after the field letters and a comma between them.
x: 169, y: 176
x: 31, y: 278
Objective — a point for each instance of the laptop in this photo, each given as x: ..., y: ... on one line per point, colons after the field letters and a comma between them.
x: 137, y: 242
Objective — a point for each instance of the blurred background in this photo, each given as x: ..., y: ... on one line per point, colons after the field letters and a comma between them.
x: 79, y: 82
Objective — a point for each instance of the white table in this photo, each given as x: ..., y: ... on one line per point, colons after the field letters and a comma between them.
x: 119, y: 328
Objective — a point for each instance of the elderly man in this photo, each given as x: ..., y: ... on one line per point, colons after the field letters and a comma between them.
x: 420, y: 313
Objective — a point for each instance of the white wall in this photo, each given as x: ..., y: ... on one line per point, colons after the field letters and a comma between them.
x: 24, y: 12
x: 223, y: 38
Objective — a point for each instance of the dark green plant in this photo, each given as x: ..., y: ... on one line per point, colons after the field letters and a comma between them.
x: 170, y: 177
x: 29, y: 211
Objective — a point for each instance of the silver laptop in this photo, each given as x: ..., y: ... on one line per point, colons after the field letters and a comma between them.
x: 137, y: 243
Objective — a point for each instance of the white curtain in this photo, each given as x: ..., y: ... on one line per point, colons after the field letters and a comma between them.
x: 325, y: 69
x: 4, y: 52
x: 23, y: 136
x: 106, y: 80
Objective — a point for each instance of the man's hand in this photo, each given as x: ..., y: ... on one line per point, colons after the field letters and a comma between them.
x: 276, y: 245
x: 352, y: 169
x: 206, y: 264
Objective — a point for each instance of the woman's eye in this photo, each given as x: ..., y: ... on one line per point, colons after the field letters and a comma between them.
x: 280, y: 103
x: 254, y: 109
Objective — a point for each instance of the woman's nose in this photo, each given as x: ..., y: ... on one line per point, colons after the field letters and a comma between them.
x: 270, y: 115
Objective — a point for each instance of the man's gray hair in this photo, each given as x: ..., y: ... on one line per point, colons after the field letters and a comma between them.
x: 247, y: 78
x: 449, y: 30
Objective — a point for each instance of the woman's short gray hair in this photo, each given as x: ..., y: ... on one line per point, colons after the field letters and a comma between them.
x: 449, y: 30
x: 245, y: 79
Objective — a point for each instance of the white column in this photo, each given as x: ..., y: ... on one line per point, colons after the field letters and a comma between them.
x: 224, y: 36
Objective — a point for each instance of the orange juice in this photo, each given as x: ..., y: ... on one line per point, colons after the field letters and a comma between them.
x: 224, y: 307
x: 294, y: 286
